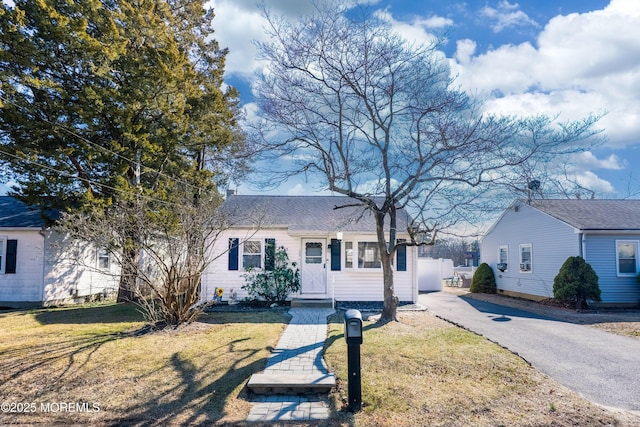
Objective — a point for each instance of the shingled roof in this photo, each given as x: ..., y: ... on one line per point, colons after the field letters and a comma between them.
x: 304, y: 213
x: 15, y: 214
x: 597, y: 214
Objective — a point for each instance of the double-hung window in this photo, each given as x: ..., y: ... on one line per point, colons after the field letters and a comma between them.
x: 525, y: 258
x: 8, y: 255
x: 104, y: 260
x: 368, y: 255
x: 627, y: 257
x: 252, y: 254
x: 503, y: 258
x: 348, y: 254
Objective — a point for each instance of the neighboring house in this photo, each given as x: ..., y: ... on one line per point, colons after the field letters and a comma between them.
x: 39, y: 266
x: 529, y: 243
x: 309, y: 228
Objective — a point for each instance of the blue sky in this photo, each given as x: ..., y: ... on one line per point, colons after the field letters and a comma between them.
x: 569, y: 57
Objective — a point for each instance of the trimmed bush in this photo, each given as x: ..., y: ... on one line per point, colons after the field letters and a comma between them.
x: 576, y: 283
x: 273, y: 286
x: 483, y: 280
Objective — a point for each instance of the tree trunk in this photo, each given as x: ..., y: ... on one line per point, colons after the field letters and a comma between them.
x: 128, y: 275
x: 390, y: 309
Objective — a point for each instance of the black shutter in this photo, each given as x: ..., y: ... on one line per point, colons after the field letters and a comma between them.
x: 269, y: 254
x: 401, y: 258
x: 233, y: 253
x: 12, y: 255
x: 335, y: 254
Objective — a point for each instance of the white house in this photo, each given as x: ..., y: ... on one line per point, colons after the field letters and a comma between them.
x: 39, y: 266
x: 529, y: 243
x: 332, y: 242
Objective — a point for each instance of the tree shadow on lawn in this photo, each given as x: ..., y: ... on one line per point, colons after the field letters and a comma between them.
x: 18, y: 361
x: 199, y: 397
x: 194, y: 401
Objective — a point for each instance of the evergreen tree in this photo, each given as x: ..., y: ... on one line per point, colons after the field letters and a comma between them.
x: 104, y: 102
x: 576, y: 283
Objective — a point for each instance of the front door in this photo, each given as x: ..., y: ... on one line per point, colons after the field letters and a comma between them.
x: 314, y: 272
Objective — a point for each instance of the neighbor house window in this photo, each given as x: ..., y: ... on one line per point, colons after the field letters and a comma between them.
x: 368, y: 255
x: 525, y: 258
x: 252, y: 254
x: 8, y: 255
x: 103, y: 259
x: 627, y: 257
x: 348, y: 254
x: 503, y: 257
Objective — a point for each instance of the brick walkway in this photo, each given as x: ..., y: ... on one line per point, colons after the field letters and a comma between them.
x: 298, y: 353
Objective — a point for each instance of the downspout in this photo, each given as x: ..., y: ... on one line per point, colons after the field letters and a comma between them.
x: 583, y: 245
x: 42, y: 273
x: 414, y: 276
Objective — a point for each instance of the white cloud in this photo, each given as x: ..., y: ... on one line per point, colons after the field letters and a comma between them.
x: 588, y: 160
x: 465, y: 50
x: 590, y: 180
x: 417, y: 31
x: 506, y: 15
x: 582, y: 63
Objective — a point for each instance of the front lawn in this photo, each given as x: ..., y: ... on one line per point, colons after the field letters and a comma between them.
x: 424, y: 371
x: 87, y: 365
x: 93, y: 365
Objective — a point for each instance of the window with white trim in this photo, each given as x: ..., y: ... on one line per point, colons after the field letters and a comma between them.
x: 252, y: 254
x: 369, y: 255
x: 503, y: 258
x: 104, y: 259
x: 525, y: 258
x: 627, y: 257
x: 348, y: 254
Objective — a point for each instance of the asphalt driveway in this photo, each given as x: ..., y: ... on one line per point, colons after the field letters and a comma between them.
x: 603, y: 367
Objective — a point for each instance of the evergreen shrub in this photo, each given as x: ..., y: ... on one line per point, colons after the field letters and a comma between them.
x: 483, y: 280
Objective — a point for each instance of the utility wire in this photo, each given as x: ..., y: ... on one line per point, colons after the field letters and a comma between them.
x: 84, y: 139
x: 96, y: 183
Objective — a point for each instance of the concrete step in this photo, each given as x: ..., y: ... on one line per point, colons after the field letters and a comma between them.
x: 291, y: 384
x: 311, y: 303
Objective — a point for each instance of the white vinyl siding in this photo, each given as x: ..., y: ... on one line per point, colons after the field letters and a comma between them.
x: 552, y: 242
x: 347, y: 284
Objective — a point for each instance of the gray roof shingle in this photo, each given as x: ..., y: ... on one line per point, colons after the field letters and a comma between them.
x: 304, y: 213
x: 14, y: 214
x: 597, y: 214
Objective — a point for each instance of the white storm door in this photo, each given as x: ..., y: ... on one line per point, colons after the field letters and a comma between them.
x: 314, y: 269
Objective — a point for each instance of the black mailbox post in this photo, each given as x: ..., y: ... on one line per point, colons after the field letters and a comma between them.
x: 353, y: 336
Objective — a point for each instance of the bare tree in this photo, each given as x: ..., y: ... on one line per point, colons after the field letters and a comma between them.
x: 380, y: 120
x: 175, y: 247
